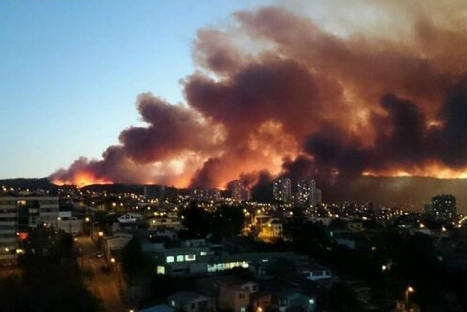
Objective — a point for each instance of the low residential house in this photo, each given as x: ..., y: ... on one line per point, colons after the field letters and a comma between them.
x: 158, y: 308
x: 196, y: 257
x: 165, y: 222
x: 71, y: 225
x: 355, y: 226
x: 114, y: 244
x: 288, y: 299
x: 234, y: 294
x: 271, y: 230
x: 317, y: 272
x: 347, y: 242
x: 191, y: 302
x: 163, y: 233
x: 259, y: 301
x: 129, y: 218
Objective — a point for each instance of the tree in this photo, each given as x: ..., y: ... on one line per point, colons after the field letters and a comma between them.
x: 227, y: 221
x: 342, y: 298
x: 132, y: 257
x: 196, y: 220
x: 50, y: 278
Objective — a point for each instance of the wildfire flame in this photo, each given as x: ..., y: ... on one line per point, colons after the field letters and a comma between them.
x: 433, y: 170
x: 83, y: 179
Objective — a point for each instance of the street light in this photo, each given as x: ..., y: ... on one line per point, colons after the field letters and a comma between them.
x: 112, y: 260
x: 87, y: 219
x: 101, y: 233
x: 384, y: 267
x: 408, y: 291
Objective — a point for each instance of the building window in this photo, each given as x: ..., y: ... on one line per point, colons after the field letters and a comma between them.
x: 160, y: 270
x: 179, y: 258
x: 190, y: 257
x: 203, y: 253
x: 170, y: 259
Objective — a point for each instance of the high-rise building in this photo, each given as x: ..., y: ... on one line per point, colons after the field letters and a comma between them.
x: 235, y: 188
x: 154, y: 191
x: 319, y: 198
x: 282, y: 189
x: 206, y: 194
x: 444, y: 206
x: 308, y: 193
x: 303, y: 192
x: 238, y: 191
x: 18, y: 214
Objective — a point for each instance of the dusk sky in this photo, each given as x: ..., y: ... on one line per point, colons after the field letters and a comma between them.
x: 70, y: 72
x: 198, y: 93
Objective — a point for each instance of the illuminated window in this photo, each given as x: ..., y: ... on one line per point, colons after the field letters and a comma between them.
x: 190, y: 257
x: 212, y: 268
x: 203, y: 253
x: 180, y: 258
x: 170, y: 259
x: 160, y: 270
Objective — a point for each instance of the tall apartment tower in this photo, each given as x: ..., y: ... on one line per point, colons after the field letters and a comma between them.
x: 282, y: 189
x: 313, y: 193
x: 303, y: 192
x: 319, y: 197
x: 444, y: 206
x: 18, y: 214
x: 235, y: 188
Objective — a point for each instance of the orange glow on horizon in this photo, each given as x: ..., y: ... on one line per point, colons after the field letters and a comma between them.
x: 433, y: 170
x: 82, y: 179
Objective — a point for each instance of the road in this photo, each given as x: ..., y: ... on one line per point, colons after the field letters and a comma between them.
x: 102, y: 284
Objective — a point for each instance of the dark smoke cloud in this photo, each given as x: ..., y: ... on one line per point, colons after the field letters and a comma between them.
x: 301, y: 101
x: 172, y: 128
x: 402, y: 140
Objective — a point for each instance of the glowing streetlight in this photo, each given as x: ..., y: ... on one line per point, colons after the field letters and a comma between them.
x: 112, y: 260
x: 408, y: 291
x: 87, y: 219
x: 422, y: 225
x: 384, y: 267
x: 101, y: 233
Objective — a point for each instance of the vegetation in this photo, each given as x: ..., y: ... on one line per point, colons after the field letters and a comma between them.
x: 50, y: 278
x: 225, y: 222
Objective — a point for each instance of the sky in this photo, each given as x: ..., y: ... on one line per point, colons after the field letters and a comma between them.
x: 70, y: 72
x: 198, y: 93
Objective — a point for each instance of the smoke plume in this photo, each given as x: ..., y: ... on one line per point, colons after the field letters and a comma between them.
x: 277, y: 93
